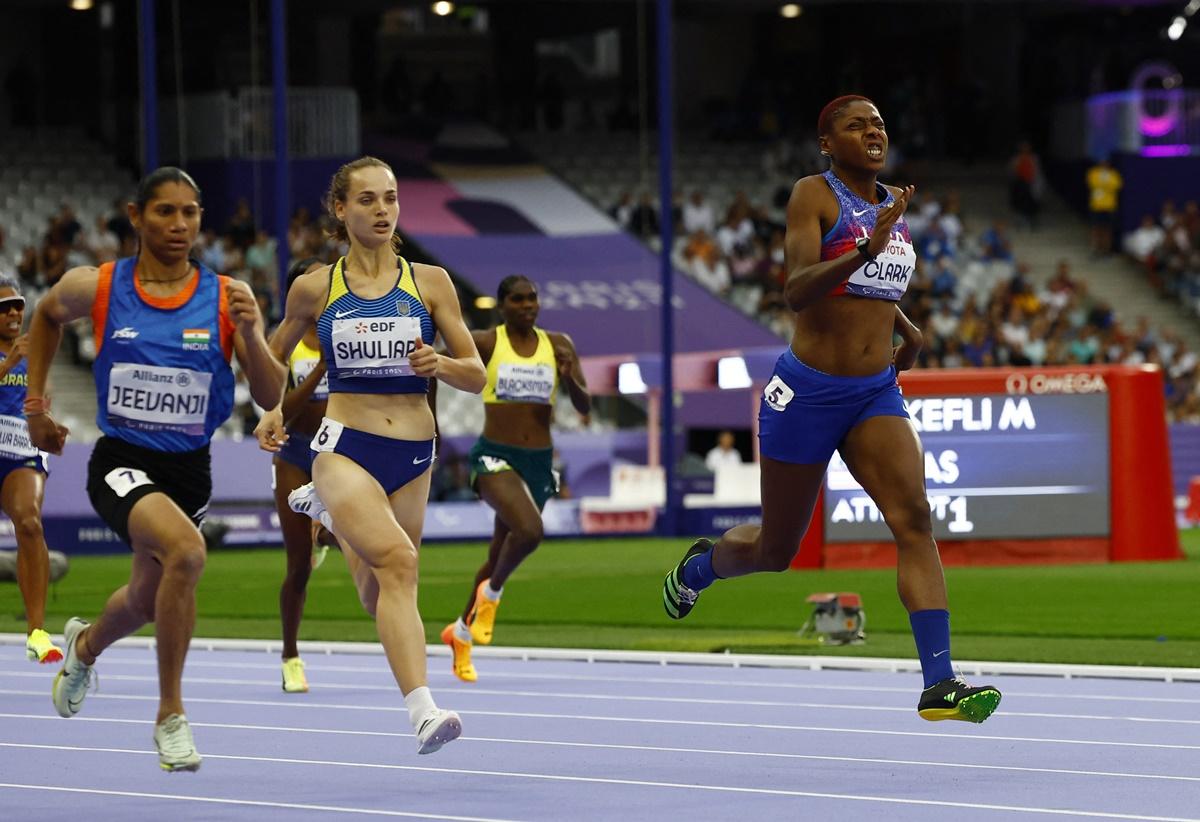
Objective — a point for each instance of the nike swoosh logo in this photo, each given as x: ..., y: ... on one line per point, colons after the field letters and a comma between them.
x: 418, y: 462
x: 939, y: 653
x: 860, y: 213
x: 339, y: 314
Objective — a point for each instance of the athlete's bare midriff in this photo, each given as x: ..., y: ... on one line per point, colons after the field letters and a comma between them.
x: 523, y: 424
x: 845, y: 335
x: 398, y: 416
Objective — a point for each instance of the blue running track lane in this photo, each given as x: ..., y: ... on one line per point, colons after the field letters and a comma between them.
x: 593, y: 742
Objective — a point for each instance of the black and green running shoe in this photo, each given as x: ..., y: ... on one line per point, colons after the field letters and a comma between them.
x: 679, y: 599
x: 955, y: 699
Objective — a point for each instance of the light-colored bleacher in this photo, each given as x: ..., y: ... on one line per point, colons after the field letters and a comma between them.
x: 42, y: 170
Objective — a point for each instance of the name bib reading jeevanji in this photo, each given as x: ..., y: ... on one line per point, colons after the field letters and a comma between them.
x: 155, y: 398
x: 375, y: 347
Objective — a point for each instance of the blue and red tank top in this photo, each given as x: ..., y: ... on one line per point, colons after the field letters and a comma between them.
x: 888, y: 275
x: 366, y: 343
x: 162, y: 371
x: 14, y: 432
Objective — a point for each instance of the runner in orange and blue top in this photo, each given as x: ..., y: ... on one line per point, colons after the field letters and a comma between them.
x: 165, y: 329
x: 23, y: 476
x: 849, y: 260
x: 512, y: 462
x: 303, y: 409
x: 376, y: 317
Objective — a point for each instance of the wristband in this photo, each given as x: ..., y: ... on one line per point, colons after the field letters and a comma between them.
x: 36, y: 406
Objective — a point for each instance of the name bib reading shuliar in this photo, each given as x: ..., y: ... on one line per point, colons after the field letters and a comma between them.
x: 522, y: 382
x: 14, y: 438
x: 155, y: 398
x: 377, y: 347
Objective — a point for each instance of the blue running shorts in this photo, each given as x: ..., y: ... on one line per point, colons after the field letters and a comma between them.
x: 806, y: 413
x: 393, y: 463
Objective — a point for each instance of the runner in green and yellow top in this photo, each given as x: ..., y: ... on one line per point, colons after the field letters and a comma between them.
x: 511, y: 462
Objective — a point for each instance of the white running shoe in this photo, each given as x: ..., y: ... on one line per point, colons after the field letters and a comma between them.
x: 438, y: 728
x: 304, y: 500
x: 176, y: 748
x: 72, y: 682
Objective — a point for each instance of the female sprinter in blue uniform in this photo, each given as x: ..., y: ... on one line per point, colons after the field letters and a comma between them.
x: 303, y: 409
x: 165, y: 329
x: 850, y: 258
x: 512, y: 462
x: 376, y: 317
x: 23, y: 476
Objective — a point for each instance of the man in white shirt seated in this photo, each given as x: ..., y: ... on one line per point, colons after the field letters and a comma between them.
x: 723, y: 453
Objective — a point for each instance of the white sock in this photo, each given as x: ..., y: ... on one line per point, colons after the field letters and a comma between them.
x: 461, y: 632
x: 326, y: 519
x: 419, y: 702
x: 492, y: 593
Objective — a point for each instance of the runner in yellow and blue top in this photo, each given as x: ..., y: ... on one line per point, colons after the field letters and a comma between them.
x: 376, y: 317
x: 165, y: 329
x: 303, y: 409
x: 512, y: 462
x: 849, y: 260
x: 23, y: 473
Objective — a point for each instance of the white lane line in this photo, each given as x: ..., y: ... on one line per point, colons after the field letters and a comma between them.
x: 943, y: 737
x: 671, y: 700
x: 645, y: 783
x: 214, y: 800
x: 319, y: 667
x: 655, y: 748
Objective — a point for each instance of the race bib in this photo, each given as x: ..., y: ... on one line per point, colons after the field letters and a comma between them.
x: 523, y: 382
x: 155, y: 398
x: 124, y: 480
x: 378, y: 347
x: 300, y: 371
x: 14, y: 439
x: 327, y: 436
x: 777, y: 394
x: 888, y: 275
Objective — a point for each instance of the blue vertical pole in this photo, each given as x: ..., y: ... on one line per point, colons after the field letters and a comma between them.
x: 149, y: 44
x: 280, y: 131
x: 665, y: 133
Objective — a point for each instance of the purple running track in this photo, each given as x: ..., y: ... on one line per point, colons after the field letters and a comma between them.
x: 554, y: 740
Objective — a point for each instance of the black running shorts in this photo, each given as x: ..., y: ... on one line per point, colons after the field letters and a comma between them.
x: 120, y: 474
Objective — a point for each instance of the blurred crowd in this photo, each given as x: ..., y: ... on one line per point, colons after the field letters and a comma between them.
x: 977, y: 304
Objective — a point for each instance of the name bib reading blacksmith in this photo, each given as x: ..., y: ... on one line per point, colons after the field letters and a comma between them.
x: 14, y: 438
x: 154, y: 398
x: 524, y: 382
x: 377, y: 347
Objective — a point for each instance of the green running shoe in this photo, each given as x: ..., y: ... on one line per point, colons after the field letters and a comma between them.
x: 678, y: 599
x: 955, y: 699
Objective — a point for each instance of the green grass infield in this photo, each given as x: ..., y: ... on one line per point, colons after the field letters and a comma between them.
x: 607, y: 593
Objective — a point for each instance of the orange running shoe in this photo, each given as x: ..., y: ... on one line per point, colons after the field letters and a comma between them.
x: 482, y: 618
x: 463, y: 667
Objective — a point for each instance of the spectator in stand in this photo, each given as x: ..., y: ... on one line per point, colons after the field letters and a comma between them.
x: 698, y: 214
x: 1104, y: 184
x: 240, y: 228
x: 643, y: 221
x: 703, y: 261
x: 260, y: 256
x: 1025, y: 185
x: 1142, y: 244
x: 994, y: 244
x: 622, y: 212
x: 101, y: 242
x: 723, y: 453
